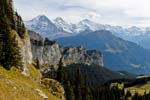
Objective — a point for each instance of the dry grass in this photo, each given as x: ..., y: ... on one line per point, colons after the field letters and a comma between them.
x: 15, y: 86
x: 34, y: 73
x: 139, y: 88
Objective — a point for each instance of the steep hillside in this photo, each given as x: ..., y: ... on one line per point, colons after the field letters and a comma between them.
x: 118, y: 54
x: 19, y: 79
x: 15, y: 86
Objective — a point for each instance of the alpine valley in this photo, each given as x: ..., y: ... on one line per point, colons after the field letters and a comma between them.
x: 43, y: 59
x: 122, y: 48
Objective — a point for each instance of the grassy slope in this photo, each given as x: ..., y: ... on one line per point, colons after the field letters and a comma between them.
x: 140, y: 88
x: 15, y: 86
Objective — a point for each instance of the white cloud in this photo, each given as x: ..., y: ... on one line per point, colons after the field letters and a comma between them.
x: 92, y: 15
x: 119, y: 12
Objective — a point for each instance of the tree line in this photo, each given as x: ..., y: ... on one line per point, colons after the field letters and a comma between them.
x: 9, y: 49
x: 77, y: 87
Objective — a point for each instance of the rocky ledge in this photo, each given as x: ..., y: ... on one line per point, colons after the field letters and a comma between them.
x: 50, y: 53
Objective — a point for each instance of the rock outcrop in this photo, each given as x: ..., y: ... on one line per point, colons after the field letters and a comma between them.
x: 54, y: 87
x: 80, y: 55
x: 47, y: 52
x: 25, y: 50
x: 41, y: 94
x: 50, y: 53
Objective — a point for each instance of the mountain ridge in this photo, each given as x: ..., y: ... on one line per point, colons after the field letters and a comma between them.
x: 118, y: 54
x: 65, y: 29
x: 41, y: 24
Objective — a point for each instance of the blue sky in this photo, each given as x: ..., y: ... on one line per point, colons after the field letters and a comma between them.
x: 114, y: 12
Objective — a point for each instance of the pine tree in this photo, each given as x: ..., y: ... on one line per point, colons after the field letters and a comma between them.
x: 12, y: 52
x: 87, y: 91
x: 60, y: 72
x: 128, y: 94
x: 144, y: 97
x: 4, y: 30
x: 69, y: 90
x: 148, y: 96
x: 37, y: 64
x: 78, y: 85
x: 135, y: 96
x: 9, y: 51
x: 20, y: 26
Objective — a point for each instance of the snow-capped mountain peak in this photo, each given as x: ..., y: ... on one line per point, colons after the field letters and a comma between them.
x: 88, y: 24
x: 40, y: 18
x: 45, y: 27
x: 41, y: 24
x: 86, y: 21
x: 63, y: 25
x: 60, y: 28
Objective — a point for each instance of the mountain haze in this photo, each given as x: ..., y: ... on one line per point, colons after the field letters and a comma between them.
x: 60, y: 28
x: 118, y: 54
x: 113, y: 41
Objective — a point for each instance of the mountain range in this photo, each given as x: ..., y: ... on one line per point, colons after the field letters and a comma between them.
x: 122, y: 48
x: 45, y: 27
x: 57, y: 28
x: 90, y: 62
x: 118, y: 54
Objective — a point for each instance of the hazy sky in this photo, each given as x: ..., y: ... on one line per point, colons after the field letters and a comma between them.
x: 115, y: 12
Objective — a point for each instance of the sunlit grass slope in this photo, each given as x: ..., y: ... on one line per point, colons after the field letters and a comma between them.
x: 15, y: 86
x: 140, y: 88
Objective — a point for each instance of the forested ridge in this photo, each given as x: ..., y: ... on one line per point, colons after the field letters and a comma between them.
x: 10, y: 21
x: 78, y: 87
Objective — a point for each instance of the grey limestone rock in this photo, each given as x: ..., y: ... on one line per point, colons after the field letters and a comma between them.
x: 50, y: 53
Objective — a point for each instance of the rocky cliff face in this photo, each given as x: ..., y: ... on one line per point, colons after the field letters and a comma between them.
x: 80, y: 55
x: 50, y: 53
x: 25, y: 51
x: 24, y: 43
x: 47, y: 52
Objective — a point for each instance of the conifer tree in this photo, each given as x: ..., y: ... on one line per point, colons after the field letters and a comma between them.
x: 144, y: 96
x: 9, y: 51
x: 60, y: 72
x: 69, y: 90
x: 128, y: 94
x: 87, y: 92
x: 78, y: 85
x: 20, y: 26
x: 37, y: 64
x: 12, y: 52
x: 135, y: 96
